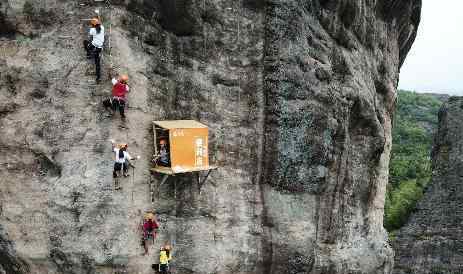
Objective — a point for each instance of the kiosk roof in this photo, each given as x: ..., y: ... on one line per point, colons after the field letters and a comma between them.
x: 179, y: 124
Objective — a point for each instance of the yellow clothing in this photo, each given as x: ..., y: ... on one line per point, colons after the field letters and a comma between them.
x: 163, y: 259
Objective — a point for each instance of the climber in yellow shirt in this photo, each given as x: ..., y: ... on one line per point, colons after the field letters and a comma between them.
x: 165, y: 255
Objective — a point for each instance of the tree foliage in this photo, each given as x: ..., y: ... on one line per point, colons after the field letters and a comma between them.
x: 410, y: 167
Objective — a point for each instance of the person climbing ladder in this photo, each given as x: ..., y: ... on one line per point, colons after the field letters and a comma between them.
x: 94, y: 45
x: 118, y: 99
x: 149, y: 227
x: 122, y: 160
x: 165, y: 255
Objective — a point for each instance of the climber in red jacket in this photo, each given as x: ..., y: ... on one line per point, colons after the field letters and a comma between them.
x: 149, y: 231
x: 119, y: 92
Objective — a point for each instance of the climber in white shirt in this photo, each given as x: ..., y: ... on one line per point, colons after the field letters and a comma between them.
x: 95, y: 46
x: 122, y: 159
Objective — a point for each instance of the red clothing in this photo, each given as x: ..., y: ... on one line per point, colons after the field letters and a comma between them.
x: 120, y: 90
x: 150, y: 225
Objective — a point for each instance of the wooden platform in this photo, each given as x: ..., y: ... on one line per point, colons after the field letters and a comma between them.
x: 173, y: 171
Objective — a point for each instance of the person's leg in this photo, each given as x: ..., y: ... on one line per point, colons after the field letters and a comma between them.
x: 115, y: 104
x: 122, y: 169
x: 107, y: 104
x: 97, y: 52
x: 145, y: 245
x: 121, y: 108
x: 86, y: 47
x: 126, y: 169
x: 153, y: 236
x: 163, y: 268
x: 116, y: 168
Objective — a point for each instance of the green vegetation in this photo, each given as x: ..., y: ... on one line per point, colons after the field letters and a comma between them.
x: 28, y: 10
x: 410, y: 167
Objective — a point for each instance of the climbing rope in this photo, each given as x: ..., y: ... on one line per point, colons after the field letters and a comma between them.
x: 239, y: 80
x: 108, y: 2
x: 204, y: 32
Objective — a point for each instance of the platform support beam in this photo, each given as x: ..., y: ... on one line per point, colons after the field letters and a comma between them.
x: 164, y: 179
x: 203, y: 181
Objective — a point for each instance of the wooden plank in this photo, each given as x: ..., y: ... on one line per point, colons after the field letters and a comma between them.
x: 163, y: 170
x: 170, y: 171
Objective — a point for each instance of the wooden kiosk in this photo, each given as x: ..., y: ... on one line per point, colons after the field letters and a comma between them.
x: 187, y: 143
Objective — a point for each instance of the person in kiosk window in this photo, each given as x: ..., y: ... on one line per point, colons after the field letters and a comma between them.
x: 164, y: 154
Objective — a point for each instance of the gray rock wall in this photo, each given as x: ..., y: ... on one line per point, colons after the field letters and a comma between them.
x: 298, y: 95
x: 431, y: 240
x: 10, y: 263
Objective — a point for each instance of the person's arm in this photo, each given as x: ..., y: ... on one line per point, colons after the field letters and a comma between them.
x: 127, y: 88
x: 114, y: 81
x: 113, y: 145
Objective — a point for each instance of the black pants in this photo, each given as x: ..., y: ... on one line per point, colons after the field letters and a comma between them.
x: 160, y: 163
x: 115, y: 104
x: 118, y: 167
x: 94, y: 52
x: 163, y: 268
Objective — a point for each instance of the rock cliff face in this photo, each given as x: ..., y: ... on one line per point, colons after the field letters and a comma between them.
x: 9, y: 262
x: 431, y: 241
x: 299, y: 97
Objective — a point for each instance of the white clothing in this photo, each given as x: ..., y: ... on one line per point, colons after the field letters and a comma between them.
x: 123, y: 159
x: 114, y: 81
x: 98, y: 38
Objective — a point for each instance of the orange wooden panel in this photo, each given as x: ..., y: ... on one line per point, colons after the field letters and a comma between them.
x: 189, y: 148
